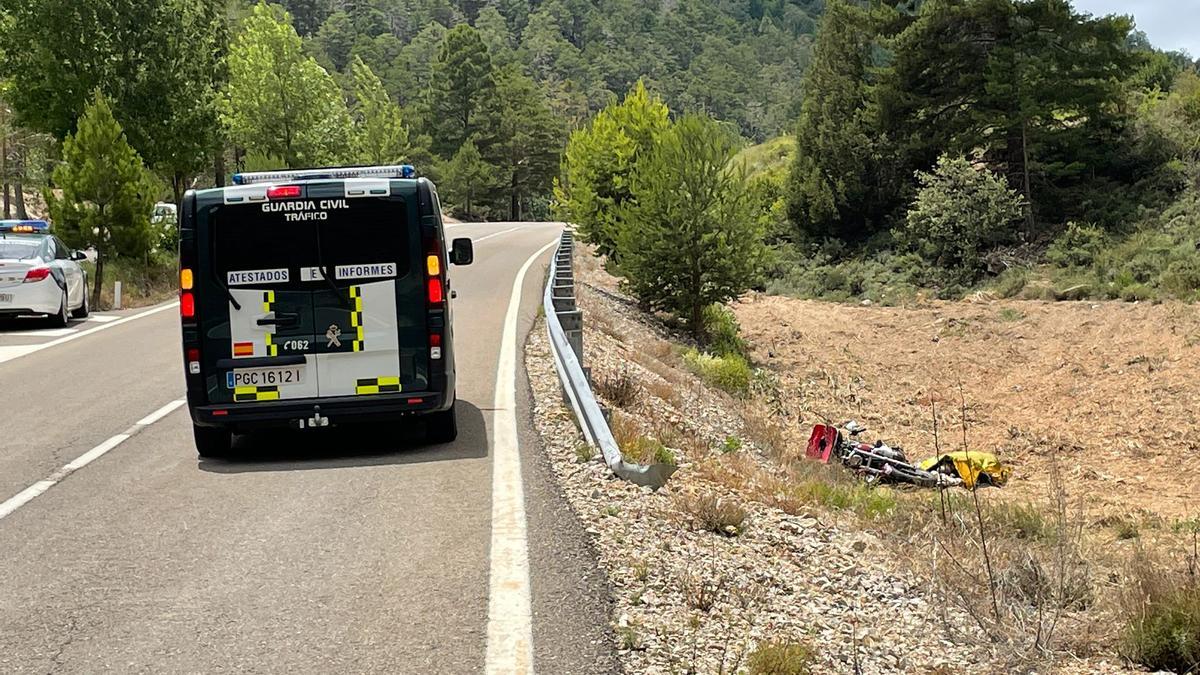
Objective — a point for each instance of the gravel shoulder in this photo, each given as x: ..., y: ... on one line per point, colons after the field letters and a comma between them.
x: 687, y: 597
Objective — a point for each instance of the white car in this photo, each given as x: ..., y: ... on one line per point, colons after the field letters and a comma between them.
x: 39, y: 274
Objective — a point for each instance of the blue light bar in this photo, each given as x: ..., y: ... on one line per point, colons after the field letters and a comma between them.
x: 393, y: 171
x: 24, y: 226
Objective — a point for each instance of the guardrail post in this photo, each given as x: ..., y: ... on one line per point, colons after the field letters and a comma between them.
x: 117, y: 295
x: 572, y: 323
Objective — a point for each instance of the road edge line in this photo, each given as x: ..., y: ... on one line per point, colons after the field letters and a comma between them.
x: 12, y: 504
x: 75, y: 336
x: 510, y: 617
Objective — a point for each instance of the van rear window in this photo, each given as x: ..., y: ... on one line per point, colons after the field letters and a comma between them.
x: 371, y: 238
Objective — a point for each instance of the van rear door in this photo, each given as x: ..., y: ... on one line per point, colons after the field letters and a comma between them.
x: 328, y: 297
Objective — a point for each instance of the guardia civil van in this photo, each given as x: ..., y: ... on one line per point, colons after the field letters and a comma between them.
x: 317, y: 298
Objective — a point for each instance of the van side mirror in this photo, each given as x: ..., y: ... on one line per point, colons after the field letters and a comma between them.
x: 78, y: 256
x: 462, y: 252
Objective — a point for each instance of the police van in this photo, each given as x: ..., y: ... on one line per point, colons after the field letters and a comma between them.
x: 315, y: 298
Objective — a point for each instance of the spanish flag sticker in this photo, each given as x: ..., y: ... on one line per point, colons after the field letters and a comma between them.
x: 243, y: 349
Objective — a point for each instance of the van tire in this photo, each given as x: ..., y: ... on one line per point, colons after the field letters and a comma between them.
x: 442, y: 427
x: 212, y: 442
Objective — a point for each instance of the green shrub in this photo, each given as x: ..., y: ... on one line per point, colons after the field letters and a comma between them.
x: 780, y: 658
x: 731, y: 444
x: 959, y: 212
x: 1162, y: 617
x: 1182, y: 277
x: 730, y: 373
x: 1078, y: 246
x: 1136, y: 293
x: 721, y: 331
x: 1011, y: 282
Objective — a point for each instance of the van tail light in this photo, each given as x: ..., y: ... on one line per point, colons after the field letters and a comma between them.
x: 37, y: 274
x: 186, y: 279
x: 187, y: 305
x: 435, y: 291
x: 435, y: 346
x: 193, y: 361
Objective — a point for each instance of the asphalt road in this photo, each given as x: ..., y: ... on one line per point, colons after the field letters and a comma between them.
x: 360, y: 552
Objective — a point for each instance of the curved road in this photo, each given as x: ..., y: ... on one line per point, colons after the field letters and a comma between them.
x: 365, y: 552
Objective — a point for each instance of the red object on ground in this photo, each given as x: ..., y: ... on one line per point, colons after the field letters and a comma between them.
x: 821, y: 443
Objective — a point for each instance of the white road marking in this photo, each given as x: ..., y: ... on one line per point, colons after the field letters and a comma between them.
x: 160, y: 413
x: 37, y: 489
x: 495, y: 234
x: 13, y: 352
x: 102, y: 318
x: 47, y: 332
x: 510, y: 620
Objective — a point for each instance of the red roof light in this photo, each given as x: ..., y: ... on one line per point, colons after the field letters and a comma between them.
x: 283, y: 192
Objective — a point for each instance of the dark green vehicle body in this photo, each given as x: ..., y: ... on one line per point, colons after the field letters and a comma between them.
x: 314, y: 303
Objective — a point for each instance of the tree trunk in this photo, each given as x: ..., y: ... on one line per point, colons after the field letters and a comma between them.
x: 515, y: 205
x: 18, y: 186
x: 98, y: 282
x: 19, y: 199
x: 177, y: 181
x: 4, y: 174
x: 1029, y: 216
x: 219, y: 168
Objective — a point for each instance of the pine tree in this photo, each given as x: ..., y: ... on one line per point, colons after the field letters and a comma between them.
x: 107, y: 193
x: 522, y: 142
x: 463, y: 82
x: 380, y: 134
x: 828, y: 189
x: 598, y: 162
x: 690, y: 237
x: 280, y: 102
x: 464, y: 177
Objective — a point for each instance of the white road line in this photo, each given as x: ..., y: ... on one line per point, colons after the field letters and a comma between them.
x: 48, y: 332
x: 160, y: 413
x: 25, y: 496
x: 510, y: 620
x: 495, y: 234
x: 102, y: 318
x: 33, y: 491
x: 10, y: 353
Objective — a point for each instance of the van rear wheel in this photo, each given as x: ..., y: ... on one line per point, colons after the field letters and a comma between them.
x: 212, y: 442
x: 442, y: 427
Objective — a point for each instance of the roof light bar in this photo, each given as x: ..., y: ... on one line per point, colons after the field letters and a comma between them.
x: 17, y: 226
x: 391, y: 171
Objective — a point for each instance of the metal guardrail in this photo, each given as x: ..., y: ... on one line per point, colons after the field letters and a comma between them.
x: 564, y: 322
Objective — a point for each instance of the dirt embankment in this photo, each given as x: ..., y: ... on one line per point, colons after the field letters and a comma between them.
x: 1110, y: 389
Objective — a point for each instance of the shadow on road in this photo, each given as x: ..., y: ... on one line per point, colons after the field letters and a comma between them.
x: 352, y: 446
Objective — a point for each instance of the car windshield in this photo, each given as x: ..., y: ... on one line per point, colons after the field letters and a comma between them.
x: 19, y: 249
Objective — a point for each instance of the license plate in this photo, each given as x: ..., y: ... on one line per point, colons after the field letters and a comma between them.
x: 264, y: 377
x: 6, y: 297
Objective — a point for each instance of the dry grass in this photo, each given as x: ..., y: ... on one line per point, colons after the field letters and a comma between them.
x: 711, y: 513
x: 665, y: 391
x: 635, y: 446
x: 766, y: 431
x: 620, y: 388
x: 780, y: 658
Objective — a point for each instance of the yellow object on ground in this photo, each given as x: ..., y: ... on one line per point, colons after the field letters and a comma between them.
x: 970, y: 465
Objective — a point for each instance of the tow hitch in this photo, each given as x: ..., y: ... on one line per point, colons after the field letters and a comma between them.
x: 317, y: 420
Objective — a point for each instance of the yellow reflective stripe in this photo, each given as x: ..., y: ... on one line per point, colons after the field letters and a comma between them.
x: 356, y: 320
x: 378, y: 385
x: 241, y: 394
